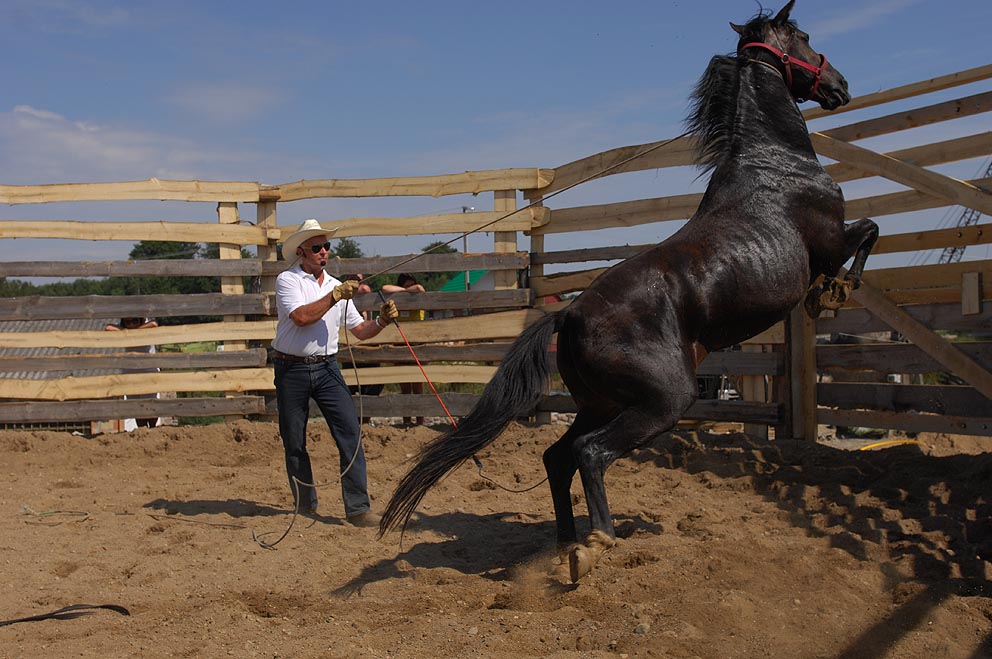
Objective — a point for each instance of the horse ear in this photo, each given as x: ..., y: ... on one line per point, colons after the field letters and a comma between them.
x: 783, y: 15
x: 739, y: 29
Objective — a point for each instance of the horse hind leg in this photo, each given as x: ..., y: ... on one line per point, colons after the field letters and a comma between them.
x: 832, y: 293
x: 634, y: 427
x: 560, y: 465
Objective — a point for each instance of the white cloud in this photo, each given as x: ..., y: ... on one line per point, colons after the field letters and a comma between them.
x: 225, y: 102
x: 41, y: 146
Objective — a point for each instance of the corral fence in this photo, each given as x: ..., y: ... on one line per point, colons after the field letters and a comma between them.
x: 919, y: 359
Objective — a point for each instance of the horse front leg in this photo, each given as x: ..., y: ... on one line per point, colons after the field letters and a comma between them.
x: 833, y: 292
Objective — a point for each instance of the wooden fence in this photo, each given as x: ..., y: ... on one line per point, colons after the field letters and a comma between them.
x: 786, y: 379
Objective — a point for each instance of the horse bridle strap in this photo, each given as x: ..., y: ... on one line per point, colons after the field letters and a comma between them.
x: 788, y: 61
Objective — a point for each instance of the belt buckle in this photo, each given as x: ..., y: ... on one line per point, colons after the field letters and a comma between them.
x: 313, y: 359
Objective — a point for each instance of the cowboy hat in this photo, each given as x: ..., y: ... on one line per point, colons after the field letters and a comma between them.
x: 307, y: 230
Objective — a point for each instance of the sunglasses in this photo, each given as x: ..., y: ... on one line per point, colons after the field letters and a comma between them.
x: 320, y: 246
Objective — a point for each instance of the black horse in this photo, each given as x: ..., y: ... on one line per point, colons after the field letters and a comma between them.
x: 770, y: 224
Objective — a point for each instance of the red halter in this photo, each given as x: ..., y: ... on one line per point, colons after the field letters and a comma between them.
x: 789, y: 61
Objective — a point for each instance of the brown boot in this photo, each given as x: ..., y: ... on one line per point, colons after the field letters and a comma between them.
x: 368, y: 519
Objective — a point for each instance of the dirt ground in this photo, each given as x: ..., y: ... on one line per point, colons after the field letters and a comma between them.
x: 729, y: 547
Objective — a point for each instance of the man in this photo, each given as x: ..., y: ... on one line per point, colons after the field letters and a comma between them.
x: 312, y: 307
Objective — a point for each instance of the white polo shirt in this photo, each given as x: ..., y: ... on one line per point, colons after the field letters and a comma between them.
x: 295, y: 288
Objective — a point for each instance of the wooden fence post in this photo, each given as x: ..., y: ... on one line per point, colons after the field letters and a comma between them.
x: 800, y: 342
x: 266, y: 218
x: 537, y: 270
x: 227, y: 213
x: 505, y: 241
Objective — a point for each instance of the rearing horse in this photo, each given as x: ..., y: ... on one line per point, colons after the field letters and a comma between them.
x: 770, y: 223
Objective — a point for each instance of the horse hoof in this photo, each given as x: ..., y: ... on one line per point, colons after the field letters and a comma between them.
x: 836, y: 293
x: 580, y: 562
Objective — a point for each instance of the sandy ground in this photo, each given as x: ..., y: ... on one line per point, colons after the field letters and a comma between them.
x: 730, y: 547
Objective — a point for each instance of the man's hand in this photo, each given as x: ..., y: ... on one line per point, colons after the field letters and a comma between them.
x: 345, y: 290
x: 388, y: 312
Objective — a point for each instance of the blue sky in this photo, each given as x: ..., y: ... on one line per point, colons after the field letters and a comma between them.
x: 276, y: 92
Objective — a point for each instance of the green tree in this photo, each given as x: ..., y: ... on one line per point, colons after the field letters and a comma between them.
x: 347, y: 248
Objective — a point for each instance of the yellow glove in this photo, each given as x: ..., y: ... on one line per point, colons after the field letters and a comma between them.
x: 388, y: 312
x: 345, y: 291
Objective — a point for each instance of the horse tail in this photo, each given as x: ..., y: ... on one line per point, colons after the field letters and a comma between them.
x: 516, y: 388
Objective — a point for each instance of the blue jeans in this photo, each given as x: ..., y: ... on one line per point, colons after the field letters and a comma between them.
x: 296, y: 383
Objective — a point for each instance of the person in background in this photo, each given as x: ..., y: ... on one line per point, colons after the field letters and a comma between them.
x: 136, y: 323
x: 407, y: 283
x: 312, y: 307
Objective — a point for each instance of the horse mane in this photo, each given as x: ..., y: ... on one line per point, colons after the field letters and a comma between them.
x: 714, y: 105
x: 714, y: 100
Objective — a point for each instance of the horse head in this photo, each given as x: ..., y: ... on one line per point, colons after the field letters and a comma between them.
x: 780, y: 43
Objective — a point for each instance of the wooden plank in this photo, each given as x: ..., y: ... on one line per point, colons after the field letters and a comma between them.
x: 924, y: 116
x: 162, y: 268
x: 254, y: 357
x: 945, y: 316
x: 523, y: 220
x: 931, y: 183
x: 615, y: 253
x: 194, y: 333
x: 568, y: 282
x: 898, y: 202
x: 965, y: 77
x: 971, y: 293
x: 745, y: 362
x: 918, y: 296
x: 36, y: 307
x: 434, y: 300
x: 894, y: 357
x: 621, y: 214
x: 400, y: 405
x: 135, y: 231
x: 728, y: 362
x: 141, y: 408
x: 979, y: 234
x: 500, y: 325
x: 127, y: 384
x: 664, y: 153
x: 907, y: 422
x: 703, y: 410
x: 151, y: 189
x: 936, y: 275
x: 954, y: 400
x: 256, y: 267
x: 239, y: 380
x: 386, y: 354
x: 419, y: 262
x: 429, y: 186
x: 494, y: 326
x: 938, y: 153
x: 934, y: 345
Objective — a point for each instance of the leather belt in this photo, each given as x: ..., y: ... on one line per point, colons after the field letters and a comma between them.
x: 309, y: 359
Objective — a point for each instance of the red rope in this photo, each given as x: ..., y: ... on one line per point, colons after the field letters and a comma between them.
x: 416, y: 359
